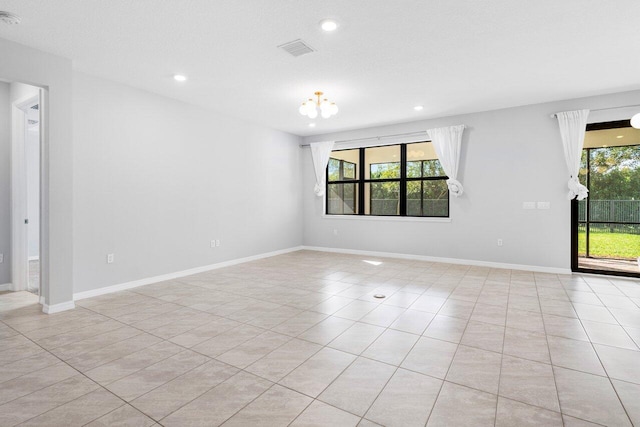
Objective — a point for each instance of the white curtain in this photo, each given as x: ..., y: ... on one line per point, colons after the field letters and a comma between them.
x: 447, y: 142
x: 320, y: 152
x: 572, y: 128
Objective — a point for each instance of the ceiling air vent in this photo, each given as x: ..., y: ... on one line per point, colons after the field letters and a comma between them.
x: 297, y: 48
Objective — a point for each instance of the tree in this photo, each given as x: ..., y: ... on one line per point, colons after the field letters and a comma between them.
x: 614, y: 172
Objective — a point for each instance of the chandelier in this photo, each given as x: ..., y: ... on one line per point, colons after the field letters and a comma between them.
x: 311, y: 107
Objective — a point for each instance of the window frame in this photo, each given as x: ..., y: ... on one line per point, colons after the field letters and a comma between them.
x: 403, y: 180
x: 342, y: 180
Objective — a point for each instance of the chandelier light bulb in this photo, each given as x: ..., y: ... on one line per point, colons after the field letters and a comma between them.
x: 318, y: 106
x: 635, y: 121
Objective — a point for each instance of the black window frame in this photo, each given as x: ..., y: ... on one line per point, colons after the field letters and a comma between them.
x: 422, y: 180
x: 342, y: 180
x: 575, y: 210
x: 403, y: 180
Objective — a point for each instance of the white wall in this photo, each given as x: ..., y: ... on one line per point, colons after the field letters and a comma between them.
x: 155, y: 180
x: 508, y: 157
x: 5, y: 183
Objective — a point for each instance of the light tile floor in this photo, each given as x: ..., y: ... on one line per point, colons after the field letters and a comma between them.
x: 299, y: 340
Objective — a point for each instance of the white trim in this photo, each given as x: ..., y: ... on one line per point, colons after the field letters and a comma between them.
x: 6, y: 287
x: 177, y: 274
x: 34, y: 258
x: 612, y: 114
x: 535, y: 268
x: 57, y: 308
x: 386, y: 218
x: 379, y: 141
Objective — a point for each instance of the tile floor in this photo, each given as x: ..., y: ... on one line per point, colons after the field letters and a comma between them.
x: 300, y: 340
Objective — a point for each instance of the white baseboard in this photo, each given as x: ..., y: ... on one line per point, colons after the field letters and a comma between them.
x: 57, y: 308
x: 183, y: 273
x: 538, y: 269
x: 177, y: 274
x: 6, y: 287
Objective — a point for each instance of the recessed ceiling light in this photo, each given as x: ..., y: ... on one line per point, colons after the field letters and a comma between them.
x: 9, y: 18
x: 312, y: 125
x: 418, y: 107
x: 328, y: 25
x: 620, y: 136
x: 180, y: 78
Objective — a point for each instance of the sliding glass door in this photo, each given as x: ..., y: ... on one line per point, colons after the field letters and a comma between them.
x: 607, y: 223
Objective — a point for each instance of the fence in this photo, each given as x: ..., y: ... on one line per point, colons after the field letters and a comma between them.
x: 430, y: 207
x: 618, y: 211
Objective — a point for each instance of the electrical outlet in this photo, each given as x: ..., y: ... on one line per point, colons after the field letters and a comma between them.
x: 1, y: 258
x: 217, y: 242
x: 499, y: 242
x: 110, y: 258
x: 544, y: 205
x: 213, y: 243
x: 528, y: 205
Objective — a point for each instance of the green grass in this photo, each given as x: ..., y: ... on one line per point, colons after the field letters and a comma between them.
x: 610, y: 245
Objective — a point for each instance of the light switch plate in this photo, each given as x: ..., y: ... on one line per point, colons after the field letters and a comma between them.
x: 544, y: 205
x: 528, y: 205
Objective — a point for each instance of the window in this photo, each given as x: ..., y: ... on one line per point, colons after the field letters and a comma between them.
x: 342, y: 188
x: 393, y: 180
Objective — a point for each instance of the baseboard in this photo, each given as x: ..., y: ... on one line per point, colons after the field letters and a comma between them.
x: 177, y: 274
x: 524, y: 267
x: 6, y: 287
x: 57, y: 308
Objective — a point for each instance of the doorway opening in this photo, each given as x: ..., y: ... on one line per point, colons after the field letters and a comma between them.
x: 26, y: 179
x: 606, y: 225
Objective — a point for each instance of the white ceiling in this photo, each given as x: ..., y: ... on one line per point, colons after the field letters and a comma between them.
x: 452, y: 56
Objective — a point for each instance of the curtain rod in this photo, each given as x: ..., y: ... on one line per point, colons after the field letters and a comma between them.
x: 554, y: 115
x: 342, y: 141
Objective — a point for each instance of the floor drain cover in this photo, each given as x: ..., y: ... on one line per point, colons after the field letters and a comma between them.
x: 379, y: 296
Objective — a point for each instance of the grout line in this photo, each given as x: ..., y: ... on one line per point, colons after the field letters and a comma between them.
x: 419, y: 336
x: 598, y: 354
x: 504, y: 336
x: 99, y: 386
